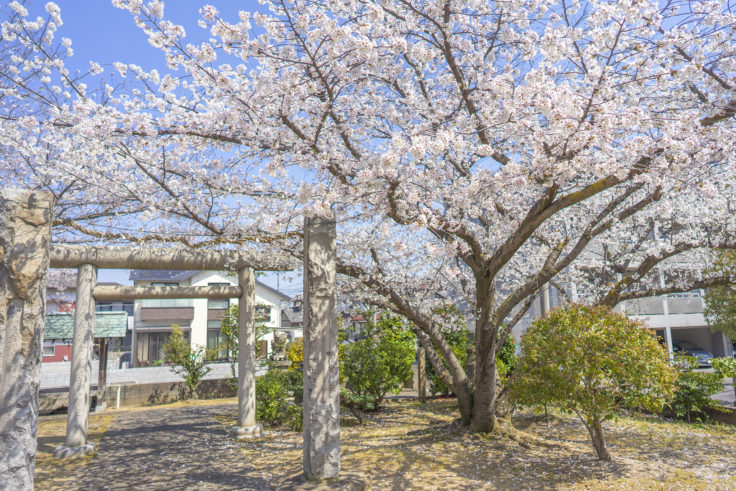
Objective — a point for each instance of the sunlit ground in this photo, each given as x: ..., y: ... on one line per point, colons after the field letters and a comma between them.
x: 407, y: 445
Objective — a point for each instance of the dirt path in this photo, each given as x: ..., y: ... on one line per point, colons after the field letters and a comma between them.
x: 406, y: 445
x: 166, y: 448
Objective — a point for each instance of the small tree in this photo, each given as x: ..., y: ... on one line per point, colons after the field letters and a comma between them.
x: 379, y: 363
x: 229, y: 329
x: 693, y: 390
x: 726, y: 368
x: 188, y: 362
x: 592, y: 361
x: 720, y: 301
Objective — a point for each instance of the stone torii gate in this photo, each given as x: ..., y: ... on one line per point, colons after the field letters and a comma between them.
x: 25, y: 256
x: 88, y: 259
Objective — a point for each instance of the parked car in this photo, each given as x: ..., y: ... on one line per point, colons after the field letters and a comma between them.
x: 690, y: 349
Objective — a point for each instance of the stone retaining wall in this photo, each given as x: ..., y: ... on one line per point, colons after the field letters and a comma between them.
x: 140, y: 394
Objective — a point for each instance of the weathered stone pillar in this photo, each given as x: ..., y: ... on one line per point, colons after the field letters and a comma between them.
x: 102, y: 376
x: 247, y: 426
x: 25, y: 230
x: 321, y: 451
x: 79, y: 384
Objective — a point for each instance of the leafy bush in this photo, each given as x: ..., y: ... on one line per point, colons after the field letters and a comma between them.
x: 294, y: 382
x: 272, y: 397
x: 379, y: 363
x: 592, y: 361
x: 230, y: 330
x: 720, y: 301
x: 295, y: 417
x: 188, y: 362
x: 295, y: 354
x: 506, y: 357
x: 693, y: 390
x: 726, y: 368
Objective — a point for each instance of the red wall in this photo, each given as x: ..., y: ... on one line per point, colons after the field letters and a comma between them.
x: 59, y: 352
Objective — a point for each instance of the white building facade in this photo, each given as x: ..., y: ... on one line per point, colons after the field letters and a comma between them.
x: 676, y: 318
x: 199, y: 319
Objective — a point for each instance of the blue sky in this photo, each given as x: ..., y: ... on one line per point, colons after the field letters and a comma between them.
x: 105, y: 34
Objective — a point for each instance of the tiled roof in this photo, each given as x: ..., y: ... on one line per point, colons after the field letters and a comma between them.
x: 107, y: 325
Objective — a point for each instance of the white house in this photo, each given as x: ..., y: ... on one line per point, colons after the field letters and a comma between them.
x: 199, y: 319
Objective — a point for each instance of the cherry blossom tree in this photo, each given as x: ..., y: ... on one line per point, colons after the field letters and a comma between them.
x: 474, y: 151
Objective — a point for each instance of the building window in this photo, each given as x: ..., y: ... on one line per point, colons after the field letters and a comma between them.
x: 150, y: 346
x: 129, y: 308
x: 218, y: 303
x: 263, y: 313
x: 215, y: 338
x: 166, y: 302
x: 49, y: 350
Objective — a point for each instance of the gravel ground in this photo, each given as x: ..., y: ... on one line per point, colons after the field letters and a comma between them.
x: 407, y: 445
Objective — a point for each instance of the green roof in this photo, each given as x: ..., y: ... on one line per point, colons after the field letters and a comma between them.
x: 107, y: 325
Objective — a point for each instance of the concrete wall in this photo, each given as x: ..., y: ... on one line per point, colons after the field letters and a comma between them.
x: 56, y: 375
x: 140, y: 395
x: 138, y: 386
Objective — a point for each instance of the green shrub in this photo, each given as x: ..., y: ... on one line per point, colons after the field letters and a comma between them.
x: 273, y: 391
x: 295, y: 417
x: 506, y: 358
x: 726, y: 368
x: 591, y: 361
x: 271, y: 398
x: 187, y: 362
x: 693, y: 390
x: 294, y: 382
x: 379, y: 363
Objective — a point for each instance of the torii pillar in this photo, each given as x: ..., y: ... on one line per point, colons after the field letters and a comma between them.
x: 247, y: 426
x: 77, y: 415
x: 25, y: 232
x: 321, y: 449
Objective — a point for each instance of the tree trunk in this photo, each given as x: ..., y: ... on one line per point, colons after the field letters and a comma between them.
x: 421, y: 375
x: 483, y: 418
x: 484, y: 398
x: 456, y: 373
x: 599, y: 441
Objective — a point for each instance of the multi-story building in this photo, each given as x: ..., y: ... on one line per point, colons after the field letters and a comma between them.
x: 199, y: 319
x: 676, y: 318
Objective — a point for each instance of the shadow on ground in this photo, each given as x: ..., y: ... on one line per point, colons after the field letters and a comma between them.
x: 408, y: 445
